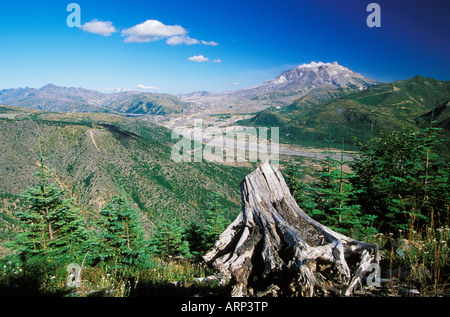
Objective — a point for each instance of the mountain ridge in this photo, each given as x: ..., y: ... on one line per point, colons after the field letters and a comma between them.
x: 285, y: 88
x: 348, y: 114
x: 76, y: 99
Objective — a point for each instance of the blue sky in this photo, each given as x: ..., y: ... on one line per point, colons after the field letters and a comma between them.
x: 180, y: 46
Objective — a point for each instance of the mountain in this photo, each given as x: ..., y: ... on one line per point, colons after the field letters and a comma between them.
x: 306, y: 77
x: 70, y: 99
x: 146, y: 103
x: 279, y: 91
x: 286, y: 87
x: 53, y: 98
x: 387, y: 106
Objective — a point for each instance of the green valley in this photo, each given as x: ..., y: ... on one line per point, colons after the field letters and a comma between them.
x: 93, y: 155
x: 351, y: 114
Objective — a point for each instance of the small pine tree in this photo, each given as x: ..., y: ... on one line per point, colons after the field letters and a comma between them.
x: 335, y: 199
x: 215, y: 220
x: 401, y: 180
x: 202, y: 237
x: 301, y: 190
x: 168, y: 238
x: 123, y: 237
x: 53, y: 230
x: 195, y: 236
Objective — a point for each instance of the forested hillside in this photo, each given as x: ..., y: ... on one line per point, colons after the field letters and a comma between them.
x: 352, y: 114
x: 93, y: 156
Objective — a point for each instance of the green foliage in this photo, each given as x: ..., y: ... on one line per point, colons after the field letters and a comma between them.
x: 53, y: 230
x: 402, y: 181
x: 333, y: 198
x: 396, y: 182
x: 168, y: 239
x: 54, y: 233
x: 196, y: 238
x: 123, y: 236
x: 171, y: 238
x: 302, y: 191
x: 329, y: 199
x: 215, y: 220
x: 202, y: 237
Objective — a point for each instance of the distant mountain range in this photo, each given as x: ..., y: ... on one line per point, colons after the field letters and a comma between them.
x: 285, y: 88
x: 279, y: 91
x: 70, y: 99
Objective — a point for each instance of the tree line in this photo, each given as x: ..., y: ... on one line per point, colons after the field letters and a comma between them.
x: 396, y: 182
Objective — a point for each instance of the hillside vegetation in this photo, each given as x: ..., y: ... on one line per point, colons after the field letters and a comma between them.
x: 351, y: 114
x: 92, y: 156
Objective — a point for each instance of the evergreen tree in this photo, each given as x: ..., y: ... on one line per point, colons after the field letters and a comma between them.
x: 53, y: 230
x: 302, y: 191
x: 215, y: 219
x: 401, y: 180
x: 334, y: 199
x: 202, y: 237
x: 195, y: 236
x: 168, y: 238
x: 123, y: 237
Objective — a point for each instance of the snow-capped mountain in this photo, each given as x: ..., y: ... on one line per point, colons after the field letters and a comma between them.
x: 306, y: 77
x: 287, y: 87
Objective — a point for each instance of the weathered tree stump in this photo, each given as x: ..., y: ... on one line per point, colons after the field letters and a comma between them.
x: 273, y: 239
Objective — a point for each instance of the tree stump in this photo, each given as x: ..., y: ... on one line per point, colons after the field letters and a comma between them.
x: 273, y: 239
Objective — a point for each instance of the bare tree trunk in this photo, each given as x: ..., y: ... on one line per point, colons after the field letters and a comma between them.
x: 273, y: 239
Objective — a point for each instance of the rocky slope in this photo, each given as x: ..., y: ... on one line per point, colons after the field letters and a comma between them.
x: 71, y: 99
x: 284, y: 89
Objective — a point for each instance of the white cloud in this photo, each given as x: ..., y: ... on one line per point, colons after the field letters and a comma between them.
x: 183, y: 39
x: 210, y: 43
x: 151, y: 30
x: 217, y: 60
x: 147, y: 87
x: 147, y: 31
x: 198, y: 58
x: 235, y: 83
x: 103, y: 28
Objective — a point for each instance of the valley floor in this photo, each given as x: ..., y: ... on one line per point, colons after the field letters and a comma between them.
x: 214, y: 125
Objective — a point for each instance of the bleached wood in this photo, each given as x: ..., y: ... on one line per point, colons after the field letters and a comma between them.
x: 272, y: 234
